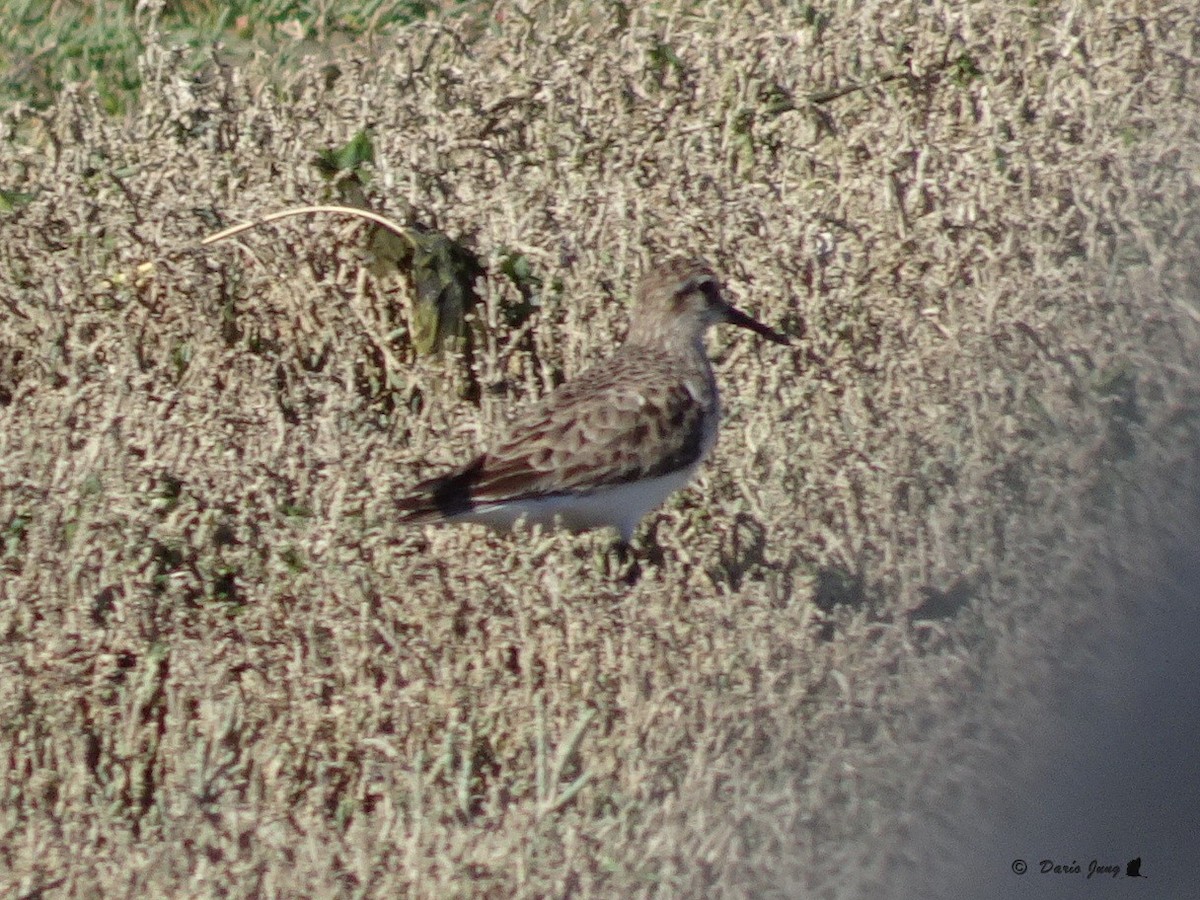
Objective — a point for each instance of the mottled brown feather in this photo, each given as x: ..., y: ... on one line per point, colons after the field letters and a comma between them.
x: 630, y: 417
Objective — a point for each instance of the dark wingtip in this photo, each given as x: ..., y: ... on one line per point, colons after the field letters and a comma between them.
x: 441, y: 498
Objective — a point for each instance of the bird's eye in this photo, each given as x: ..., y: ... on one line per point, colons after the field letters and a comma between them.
x: 711, y: 291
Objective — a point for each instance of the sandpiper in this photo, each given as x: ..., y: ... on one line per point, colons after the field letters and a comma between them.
x: 606, y: 448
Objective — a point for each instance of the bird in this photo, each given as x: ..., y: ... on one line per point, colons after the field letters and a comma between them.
x: 609, y: 446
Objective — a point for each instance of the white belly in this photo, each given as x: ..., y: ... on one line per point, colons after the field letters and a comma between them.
x: 620, y: 507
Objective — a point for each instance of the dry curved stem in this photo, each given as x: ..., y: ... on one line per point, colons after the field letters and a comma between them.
x: 382, y: 221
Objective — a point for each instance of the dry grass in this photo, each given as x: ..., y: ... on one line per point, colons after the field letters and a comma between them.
x: 228, y: 673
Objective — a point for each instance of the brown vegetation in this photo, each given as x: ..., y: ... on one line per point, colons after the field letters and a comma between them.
x: 228, y: 672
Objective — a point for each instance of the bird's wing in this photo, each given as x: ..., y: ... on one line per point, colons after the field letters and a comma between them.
x: 618, y: 422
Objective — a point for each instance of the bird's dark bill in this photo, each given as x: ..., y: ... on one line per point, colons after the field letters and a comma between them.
x: 735, y: 316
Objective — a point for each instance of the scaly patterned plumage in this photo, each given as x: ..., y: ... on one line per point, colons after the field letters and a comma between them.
x: 611, y: 445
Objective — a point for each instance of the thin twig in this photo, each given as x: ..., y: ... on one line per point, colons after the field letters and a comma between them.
x: 837, y: 93
x: 305, y: 210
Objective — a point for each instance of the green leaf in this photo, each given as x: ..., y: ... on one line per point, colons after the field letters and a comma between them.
x: 10, y: 200
x: 348, y: 158
x: 443, y: 274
